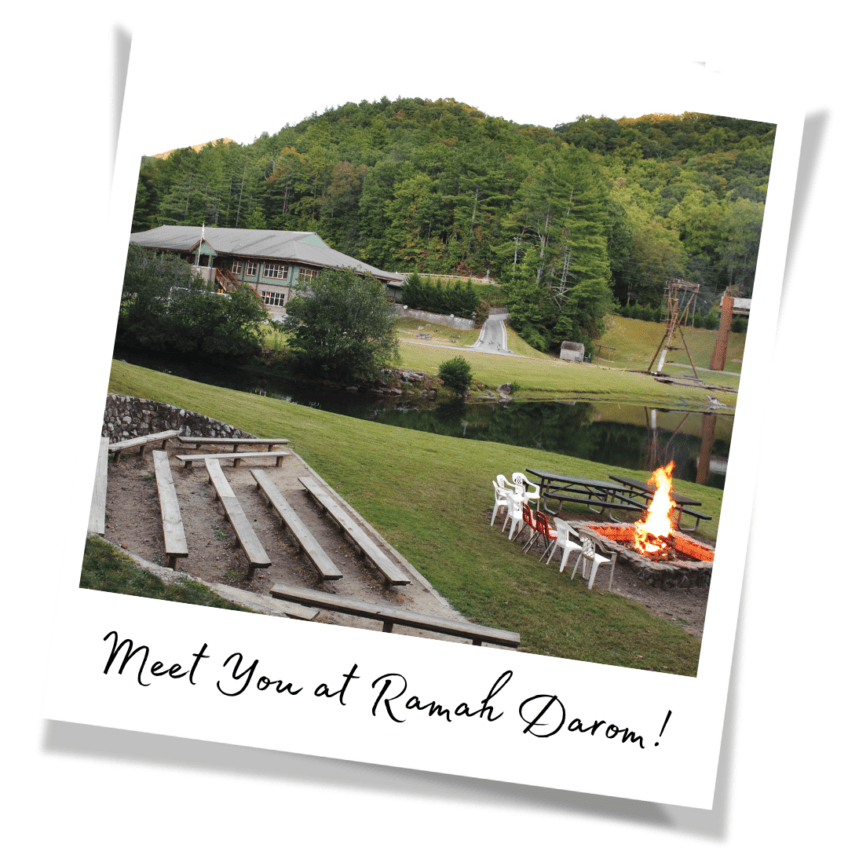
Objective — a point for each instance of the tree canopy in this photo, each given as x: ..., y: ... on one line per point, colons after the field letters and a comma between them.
x: 342, y: 327
x: 596, y: 210
x: 166, y: 307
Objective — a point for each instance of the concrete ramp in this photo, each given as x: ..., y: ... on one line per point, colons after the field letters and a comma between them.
x: 492, y: 338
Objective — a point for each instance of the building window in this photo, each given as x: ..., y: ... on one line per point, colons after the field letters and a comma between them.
x: 235, y: 266
x: 275, y: 271
x: 252, y: 268
x: 274, y: 298
x: 306, y: 275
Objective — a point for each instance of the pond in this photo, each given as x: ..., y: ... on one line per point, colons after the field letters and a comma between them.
x: 628, y: 435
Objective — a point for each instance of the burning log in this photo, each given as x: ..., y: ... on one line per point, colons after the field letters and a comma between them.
x: 654, y: 534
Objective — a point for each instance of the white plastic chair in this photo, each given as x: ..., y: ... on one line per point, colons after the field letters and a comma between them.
x: 564, y: 533
x: 501, y: 491
x: 515, y: 513
x: 529, y: 491
x: 589, y: 553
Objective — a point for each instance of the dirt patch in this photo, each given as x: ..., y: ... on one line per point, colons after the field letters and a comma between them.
x: 685, y: 607
x: 134, y: 522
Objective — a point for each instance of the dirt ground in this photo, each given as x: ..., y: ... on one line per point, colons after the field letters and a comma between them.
x: 686, y: 607
x: 133, y: 521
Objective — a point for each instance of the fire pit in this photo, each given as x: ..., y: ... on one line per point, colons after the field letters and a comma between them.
x: 661, y: 554
x: 689, y: 563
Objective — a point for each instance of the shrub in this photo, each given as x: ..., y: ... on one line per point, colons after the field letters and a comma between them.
x: 456, y: 374
x: 711, y: 319
x: 341, y: 327
x: 166, y: 307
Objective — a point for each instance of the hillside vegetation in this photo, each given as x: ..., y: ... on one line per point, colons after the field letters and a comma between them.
x: 570, y: 220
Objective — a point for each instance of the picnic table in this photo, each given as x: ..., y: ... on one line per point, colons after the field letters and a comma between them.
x: 596, y: 495
x: 646, y: 491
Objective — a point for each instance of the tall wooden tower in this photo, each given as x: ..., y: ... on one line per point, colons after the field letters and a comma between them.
x: 680, y: 298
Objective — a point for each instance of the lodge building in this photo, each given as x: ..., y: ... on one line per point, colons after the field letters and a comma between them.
x: 271, y: 262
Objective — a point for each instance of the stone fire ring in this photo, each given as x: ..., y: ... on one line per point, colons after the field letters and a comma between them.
x: 668, y: 574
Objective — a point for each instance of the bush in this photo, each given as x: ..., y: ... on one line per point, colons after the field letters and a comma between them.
x: 456, y: 374
x: 167, y: 308
x: 711, y: 319
x: 459, y: 299
x: 342, y: 327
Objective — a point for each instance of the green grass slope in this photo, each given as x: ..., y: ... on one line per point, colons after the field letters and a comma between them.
x: 428, y: 496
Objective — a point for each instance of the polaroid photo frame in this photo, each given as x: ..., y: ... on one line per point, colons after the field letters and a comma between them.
x: 323, y: 691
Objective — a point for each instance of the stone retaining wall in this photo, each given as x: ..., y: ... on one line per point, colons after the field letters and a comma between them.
x: 435, y: 318
x: 127, y: 417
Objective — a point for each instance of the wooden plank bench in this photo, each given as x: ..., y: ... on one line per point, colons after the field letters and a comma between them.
x: 393, y: 575
x: 188, y: 458
x: 305, y: 540
x: 141, y: 442
x: 248, y: 540
x: 172, y: 522
x: 97, y: 513
x: 236, y: 443
x: 601, y: 505
x: 391, y: 616
x: 698, y: 516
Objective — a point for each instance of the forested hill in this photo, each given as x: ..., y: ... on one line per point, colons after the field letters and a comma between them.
x: 566, y: 216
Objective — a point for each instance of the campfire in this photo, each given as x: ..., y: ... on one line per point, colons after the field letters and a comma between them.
x: 653, y: 536
x: 654, y: 546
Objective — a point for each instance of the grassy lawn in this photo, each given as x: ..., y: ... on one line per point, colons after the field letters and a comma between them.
x: 106, y: 569
x: 428, y: 496
x: 408, y: 329
x: 545, y: 377
x: 636, y: 342
x: 551, y: 379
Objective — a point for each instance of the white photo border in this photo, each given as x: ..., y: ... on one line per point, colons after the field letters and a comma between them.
x: 307, y: 655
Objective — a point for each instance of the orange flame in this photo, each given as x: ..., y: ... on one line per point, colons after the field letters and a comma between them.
x: 656, y: 530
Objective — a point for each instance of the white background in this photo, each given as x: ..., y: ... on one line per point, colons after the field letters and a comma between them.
x: 65, y: 72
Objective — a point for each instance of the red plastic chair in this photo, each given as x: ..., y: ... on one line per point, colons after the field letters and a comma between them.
x: 547, y: 531
x: 528, y: 521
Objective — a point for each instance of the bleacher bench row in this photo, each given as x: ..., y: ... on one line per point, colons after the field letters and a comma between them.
x: 176, y: 546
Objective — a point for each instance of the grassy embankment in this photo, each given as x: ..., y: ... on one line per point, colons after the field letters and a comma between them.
x: 636, y: 342
x: 107, y: 569
x: 428, y: 496
x: 545, y: 377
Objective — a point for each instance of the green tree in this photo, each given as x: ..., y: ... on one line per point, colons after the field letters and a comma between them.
x: 342, y: 327
x: 456, y: 374
x: 166, y: 307
x: 741, y: 227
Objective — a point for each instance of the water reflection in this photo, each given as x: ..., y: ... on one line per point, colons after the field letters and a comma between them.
x: 636, y: 437
x: 633, y: 437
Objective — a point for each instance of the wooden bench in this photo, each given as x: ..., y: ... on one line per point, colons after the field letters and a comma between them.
x: 366, y: 546
x: 305, y: 540
x: 391, y: 616
x: 141, y: 442
x: 172, y: 521
x: 625, y: 504
x: 188, y: 458
x: 97, y: 513
x: 698, y: 516
x: 250, y: 544
x: 236, y: 443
